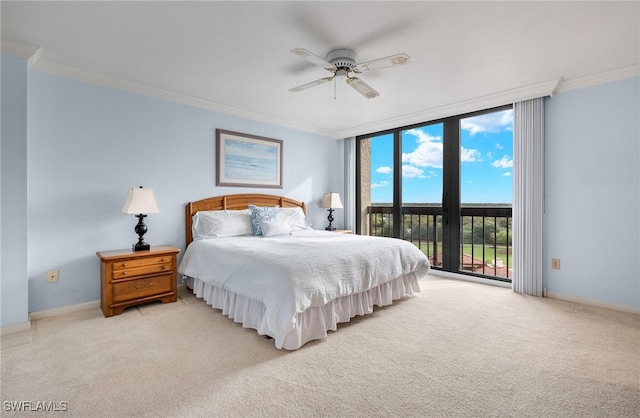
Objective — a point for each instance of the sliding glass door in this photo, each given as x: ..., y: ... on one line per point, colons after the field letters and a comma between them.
x: 446, y: 187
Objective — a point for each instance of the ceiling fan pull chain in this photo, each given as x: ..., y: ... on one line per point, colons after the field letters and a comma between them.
x: 334, y: 88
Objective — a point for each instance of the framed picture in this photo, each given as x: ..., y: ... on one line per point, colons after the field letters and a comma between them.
x: 248, y: 160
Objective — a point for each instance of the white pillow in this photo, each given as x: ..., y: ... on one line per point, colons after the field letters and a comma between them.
x: 275, y: 228
x: 221, y: 223
x: 294, y: 217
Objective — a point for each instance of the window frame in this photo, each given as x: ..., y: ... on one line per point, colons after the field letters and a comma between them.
x: 451, y: 188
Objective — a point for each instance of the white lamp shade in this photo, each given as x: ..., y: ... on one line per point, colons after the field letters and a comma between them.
x: 140, y: 200
x: 331, y: 200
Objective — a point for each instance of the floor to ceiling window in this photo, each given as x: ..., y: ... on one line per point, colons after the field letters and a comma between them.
x: 444, y: 185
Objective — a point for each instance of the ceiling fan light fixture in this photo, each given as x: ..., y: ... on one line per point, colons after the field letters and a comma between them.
x: 341, y: 62
x: 342, y: 58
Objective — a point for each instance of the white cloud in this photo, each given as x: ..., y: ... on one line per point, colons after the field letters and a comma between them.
x: 490, y: 122
x: 384, y: 170
x: 504, y: 162
x: 428, y: 153
x: 469, y: 155
x: 409, y: 171
x: 383, y: 183
x: 507, y: 174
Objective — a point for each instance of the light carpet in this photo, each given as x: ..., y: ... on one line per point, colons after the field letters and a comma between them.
x: 456, y: 349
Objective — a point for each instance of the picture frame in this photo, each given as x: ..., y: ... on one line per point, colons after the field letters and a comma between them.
x: 248, y: 160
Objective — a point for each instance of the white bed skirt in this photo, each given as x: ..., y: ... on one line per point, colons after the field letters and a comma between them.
x: 311, y: 324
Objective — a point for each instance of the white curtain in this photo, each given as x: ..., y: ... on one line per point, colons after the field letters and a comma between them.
x: 528, y: 201
x: 349, y: 202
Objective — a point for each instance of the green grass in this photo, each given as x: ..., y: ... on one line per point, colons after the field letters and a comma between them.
x: 489, y: 253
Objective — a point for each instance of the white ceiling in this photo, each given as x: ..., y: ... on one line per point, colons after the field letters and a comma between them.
x: 234, y: 56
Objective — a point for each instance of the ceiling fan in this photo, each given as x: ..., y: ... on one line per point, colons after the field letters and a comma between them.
x: 341, y: 62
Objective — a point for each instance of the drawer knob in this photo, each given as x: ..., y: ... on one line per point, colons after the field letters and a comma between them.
x: 137, y: 287
x: 124, y: 273
x: 163, y: 268
x: 150, y: 284
x: 162, y: 259
x: 124, y: 264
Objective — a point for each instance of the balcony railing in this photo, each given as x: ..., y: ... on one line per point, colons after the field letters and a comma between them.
x: 485, y: 231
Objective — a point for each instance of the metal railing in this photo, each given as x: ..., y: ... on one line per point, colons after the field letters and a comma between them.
x: 485, y: 231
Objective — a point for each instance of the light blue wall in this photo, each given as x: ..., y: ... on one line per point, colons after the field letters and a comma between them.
x: 13, y: 214
x: 88, y: 144
x: 592, y: 188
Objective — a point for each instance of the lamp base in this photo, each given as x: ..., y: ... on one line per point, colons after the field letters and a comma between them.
x: 141, y: 247
x: 141, y: 229
x: 330, y: 219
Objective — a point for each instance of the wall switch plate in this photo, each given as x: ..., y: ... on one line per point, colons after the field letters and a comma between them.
x: 52, y: 276
x: 555, y: 263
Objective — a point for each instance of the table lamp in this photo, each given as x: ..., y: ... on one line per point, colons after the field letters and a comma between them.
x: 140, y: 202
x: 331, y: 201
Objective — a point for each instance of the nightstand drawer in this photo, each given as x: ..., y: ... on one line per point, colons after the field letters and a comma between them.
x: 139, y: 288
x: 141, y: 269
x: 141, y: 262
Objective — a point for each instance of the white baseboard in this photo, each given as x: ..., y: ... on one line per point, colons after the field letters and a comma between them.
x: 15, y: 328
x: 48, y: 313
x: 26, y: 326
x: 598, y: 303
x: 69, y: 309
x: 553, y: 295
x: 64, y: 310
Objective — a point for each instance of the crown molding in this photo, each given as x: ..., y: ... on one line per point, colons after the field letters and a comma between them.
x: 17, y: 49
x: 112, y: 82
x: 542, y: 89
x: 600, y: 78
x: 546, y: 88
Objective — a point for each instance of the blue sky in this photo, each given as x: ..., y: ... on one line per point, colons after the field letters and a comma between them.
x: 486, y: 169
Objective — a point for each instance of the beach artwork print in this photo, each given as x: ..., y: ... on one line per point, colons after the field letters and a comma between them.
x: 248, y: 160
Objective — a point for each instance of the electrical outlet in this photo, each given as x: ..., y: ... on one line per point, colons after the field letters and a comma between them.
x: 555, y: 263
x: 52, y: 276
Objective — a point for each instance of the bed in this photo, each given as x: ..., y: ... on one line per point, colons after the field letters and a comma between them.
x: 254, y: 257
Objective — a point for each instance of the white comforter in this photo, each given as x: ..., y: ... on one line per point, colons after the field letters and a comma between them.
x: 289, y: 274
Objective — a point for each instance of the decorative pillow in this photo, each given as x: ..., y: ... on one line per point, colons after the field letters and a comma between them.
x: 275, y: 228
x: 262, y: 213
x: 294, y: 217
x: 221, y: 223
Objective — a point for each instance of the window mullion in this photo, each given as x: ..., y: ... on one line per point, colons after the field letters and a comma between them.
x: 397, y: 184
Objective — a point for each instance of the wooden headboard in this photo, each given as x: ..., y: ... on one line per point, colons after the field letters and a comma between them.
x: 236, y: 202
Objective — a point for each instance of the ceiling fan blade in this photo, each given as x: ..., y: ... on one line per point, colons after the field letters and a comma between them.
x: 312, y: 58
x: 362, y: 87
x: 312, y: 84
x: 392, y: 61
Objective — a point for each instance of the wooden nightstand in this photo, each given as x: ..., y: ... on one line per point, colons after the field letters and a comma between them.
x: 132, y: 277
x: 342, y: 231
